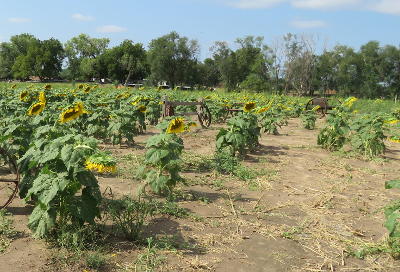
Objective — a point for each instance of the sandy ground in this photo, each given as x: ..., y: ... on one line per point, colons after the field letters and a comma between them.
x: 307, y: 210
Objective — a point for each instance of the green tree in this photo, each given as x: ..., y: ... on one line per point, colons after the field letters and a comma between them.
x: 83, y: 47
x: 171, y: 56
x: 124, y: 63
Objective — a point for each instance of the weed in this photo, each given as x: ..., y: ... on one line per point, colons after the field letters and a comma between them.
x: 129, y: 215
x: 7, y: 231
x: 95, y: 260
x: 150, y: 259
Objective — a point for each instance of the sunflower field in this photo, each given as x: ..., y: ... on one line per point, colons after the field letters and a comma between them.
x: 61, y: 137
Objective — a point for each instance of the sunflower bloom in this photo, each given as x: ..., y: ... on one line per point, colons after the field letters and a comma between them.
x: 176, y: 125
x: 263, y: 109
x: 87, y: 89
x: 350, y: 101
x: 98, y: 167
x: 392, y: 122
x: 142, y: 108
x: 394, y: 139
x: 317, y: 107
x: 72, y: 113
x: 23, y: 96
x: 47, y: 87
x: 249, y: 106
x: 42, y: 97
x: 36, y: 109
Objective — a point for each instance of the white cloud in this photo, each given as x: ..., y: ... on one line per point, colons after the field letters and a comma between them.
x: 253, y: 4
x: 385, y: 6
x: 19, y: 20
x: 111, y: 29
x: 324, y: 4
x: 308, y: 23
x: 382, y: 6
x: 81, y: 17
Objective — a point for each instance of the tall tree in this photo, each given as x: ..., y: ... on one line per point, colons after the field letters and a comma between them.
x: 83, y: 47
x: 170, y: 56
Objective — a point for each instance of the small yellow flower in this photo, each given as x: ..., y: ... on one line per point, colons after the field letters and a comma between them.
x: 36, y: 109
x: 176, y: 125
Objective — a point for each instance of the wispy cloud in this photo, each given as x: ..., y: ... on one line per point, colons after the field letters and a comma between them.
x: 325, y: 4
x: 111, y: 29
x: 385, y: 6
x: 308, y: 23
x: 251, y: 4
x: 81, y: 17
x: 19, y: 20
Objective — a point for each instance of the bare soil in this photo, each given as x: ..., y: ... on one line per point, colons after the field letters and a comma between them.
x: 307, y: 210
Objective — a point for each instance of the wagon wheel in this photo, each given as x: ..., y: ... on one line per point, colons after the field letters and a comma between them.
x: 318, y: 102
x: 9, y: 178
x: 204, y: 116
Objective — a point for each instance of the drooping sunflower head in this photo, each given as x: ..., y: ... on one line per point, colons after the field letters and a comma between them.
x: 249, y: 106
x: 80, y: 86
x: 47, y: 87
x: 176, y: 125
x: 24, y: 96
x: 72, y: 113
x: 36, y: 109
x: 13, y: 86
x: 142, y: 108
x: 87, y: 89
x: 101, y: 162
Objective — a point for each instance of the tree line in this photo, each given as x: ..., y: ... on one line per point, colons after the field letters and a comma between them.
x: 288, y: 65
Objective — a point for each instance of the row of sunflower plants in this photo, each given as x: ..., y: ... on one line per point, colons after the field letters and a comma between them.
x: 43, y: 130
x: 365, y: 133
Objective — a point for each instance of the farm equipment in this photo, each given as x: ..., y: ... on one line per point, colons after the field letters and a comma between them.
x: 9, y: 178
x: 324, y: 103
x: 202, y: 111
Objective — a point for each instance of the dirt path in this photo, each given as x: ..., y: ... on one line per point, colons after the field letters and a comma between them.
x: 307, y: 210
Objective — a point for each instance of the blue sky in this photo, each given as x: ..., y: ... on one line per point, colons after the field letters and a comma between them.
x: 349, y: 22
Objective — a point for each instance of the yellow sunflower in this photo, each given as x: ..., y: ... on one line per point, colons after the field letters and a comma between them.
x: 392, y: 122
x: 36, y: 109
x: 176, y: 125
x: 349, y: 102
x: 72, y: 113
x: 80, y: 86
x: 394, y: 139
x: 87, y: 89
x: 317, y: 107
x: 23, y: 96
x: 142, y: 108
x: 263, y: 109
x: 42, y: 97
x: 47, y: 87
x: 249, y: 106
x: 98, y: 167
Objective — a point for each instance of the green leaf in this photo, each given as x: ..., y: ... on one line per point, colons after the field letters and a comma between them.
x: 41, y: 220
